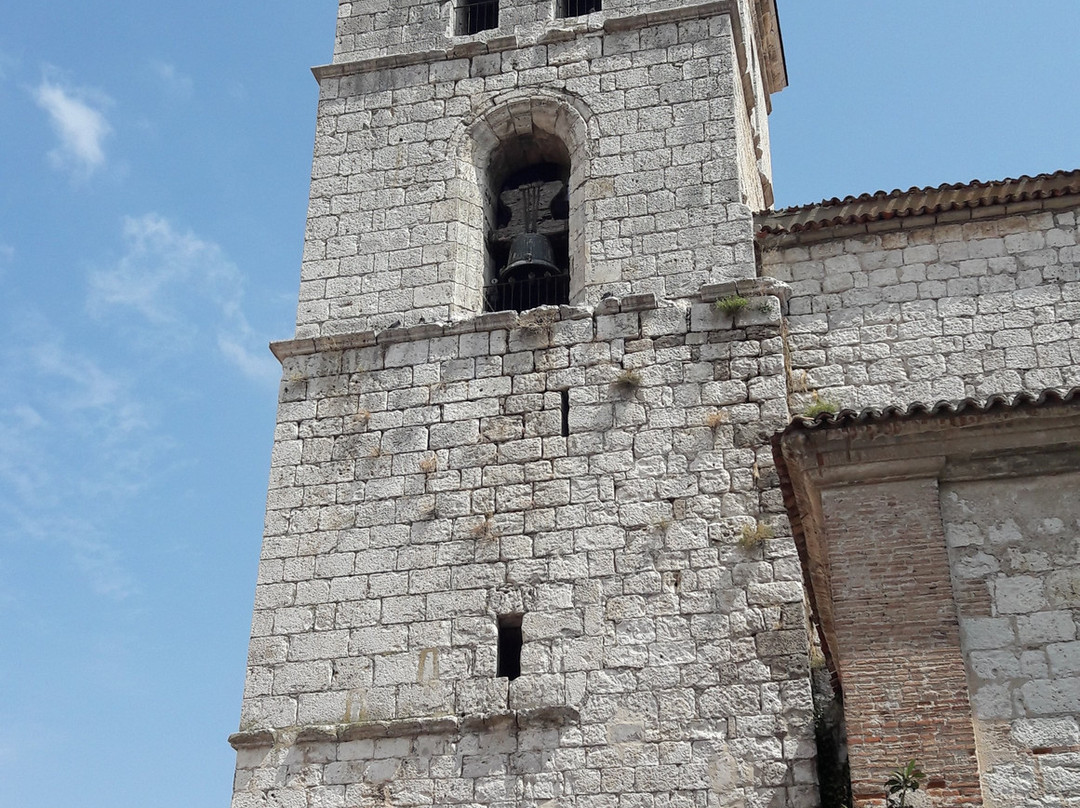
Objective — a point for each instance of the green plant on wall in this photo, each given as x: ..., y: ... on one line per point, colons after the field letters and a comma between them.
x: 902, y: 782
x: 818, y: 405
x: 731, y: 304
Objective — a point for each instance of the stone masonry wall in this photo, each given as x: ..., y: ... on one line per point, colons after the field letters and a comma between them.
x: 1015, y: 546
x: 964, y: 304
x: 427, y: 481
x: 395, y: 228
x: 934, y: 311
x: 369, y: 29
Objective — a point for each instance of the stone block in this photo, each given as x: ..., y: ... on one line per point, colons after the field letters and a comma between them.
x: 1045, y: 627
x: 1018, y: 595
x: 1046, y: 732
x: 1060, y: 697
x: 781, y: 643
x: 1064, y: 658
x: 537, y: 692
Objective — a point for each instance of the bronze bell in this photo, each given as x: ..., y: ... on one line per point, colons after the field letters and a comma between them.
x: 531, y: 256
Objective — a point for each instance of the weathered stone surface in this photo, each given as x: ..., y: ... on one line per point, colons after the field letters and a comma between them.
x: 971, y: 328
x: 599, y: 471
x: 599, y: 538
x: 1027, y: 681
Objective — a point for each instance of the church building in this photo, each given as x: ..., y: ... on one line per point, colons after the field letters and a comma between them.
x: 599, y: 483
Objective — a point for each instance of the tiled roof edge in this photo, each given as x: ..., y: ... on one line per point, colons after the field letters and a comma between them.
x: 1051, y: 396
x: 967, y: 406
x: 884, y: 205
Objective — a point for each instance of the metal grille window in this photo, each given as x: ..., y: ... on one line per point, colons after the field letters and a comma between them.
x: 477, y: 15
x: 529, y: 245
x: 527, y: 293
x: 576, y: 8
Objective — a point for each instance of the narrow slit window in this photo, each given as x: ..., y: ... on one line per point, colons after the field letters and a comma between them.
x: 509, y: 664
x: 565, y: 396
x: 578, y: 8
x: 475, y: 16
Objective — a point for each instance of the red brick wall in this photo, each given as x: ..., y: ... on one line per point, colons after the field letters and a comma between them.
x: 901, y: 666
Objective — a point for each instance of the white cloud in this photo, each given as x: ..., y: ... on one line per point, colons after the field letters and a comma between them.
x: 89, y: 391
x: 175, y: 82
x: 157, y: 262
x: 184, y: 287
x: 255, y: 364
x: 27, y: 416
x: 102, y: 566
x: 64, y: 397
x: 74, y: 438
x: 79, y: 122
x: 99, y: 564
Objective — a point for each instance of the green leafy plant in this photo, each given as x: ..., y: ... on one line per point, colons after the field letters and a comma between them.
x: 902, y: 782
x: 731, y: 304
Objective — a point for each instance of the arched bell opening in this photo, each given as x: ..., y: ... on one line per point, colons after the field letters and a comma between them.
x: 528, y: 224
x: 542, y: 132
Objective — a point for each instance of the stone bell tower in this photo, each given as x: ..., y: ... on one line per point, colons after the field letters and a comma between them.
x: 519, y: 542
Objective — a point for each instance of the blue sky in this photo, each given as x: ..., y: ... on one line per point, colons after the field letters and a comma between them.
x: 153, y: 182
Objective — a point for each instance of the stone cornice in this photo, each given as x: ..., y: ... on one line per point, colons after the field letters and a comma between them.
x: 765, y: 25
x: 401, y: 728
x: 535, y: 319
x: 918, y: 207
x: 493, y: 321
x: 496, y: 44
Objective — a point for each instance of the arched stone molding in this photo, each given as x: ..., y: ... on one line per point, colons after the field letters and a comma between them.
x: 557, y: 126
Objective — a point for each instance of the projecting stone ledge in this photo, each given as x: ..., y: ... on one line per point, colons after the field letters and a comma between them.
x: 405, y: 727
x: 534, y: 319
x: 746, y: 287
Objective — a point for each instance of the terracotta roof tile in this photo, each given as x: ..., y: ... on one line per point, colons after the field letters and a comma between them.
x: 967, y: 406
x: 883, y: 205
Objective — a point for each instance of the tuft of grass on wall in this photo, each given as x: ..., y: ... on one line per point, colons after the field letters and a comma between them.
x: 627, y: 381
x: 818, y: 405
x: 752, y: 536
x: 731, y: 304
